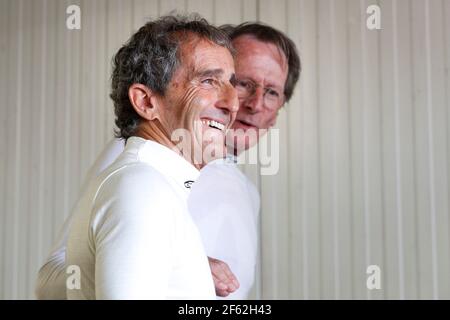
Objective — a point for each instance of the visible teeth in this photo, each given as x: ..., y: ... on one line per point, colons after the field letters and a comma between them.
x: 214, y: 124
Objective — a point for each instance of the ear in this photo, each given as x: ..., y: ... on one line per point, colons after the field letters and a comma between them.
x: 144, y: 101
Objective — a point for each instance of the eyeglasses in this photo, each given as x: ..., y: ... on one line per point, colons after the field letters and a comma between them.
x: 246, y: 88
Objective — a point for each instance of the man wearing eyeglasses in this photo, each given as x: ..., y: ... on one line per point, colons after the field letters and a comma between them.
x: 267, y: 68
x: 223, y: 203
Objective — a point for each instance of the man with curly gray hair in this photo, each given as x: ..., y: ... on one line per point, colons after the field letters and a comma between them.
x: 131, y: 236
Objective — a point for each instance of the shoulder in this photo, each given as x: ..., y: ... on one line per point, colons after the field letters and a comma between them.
x: 228, y: 177
x: 136, y: 179
x: 223, y: 173
x: 135, y: 194
x: 225, y: 188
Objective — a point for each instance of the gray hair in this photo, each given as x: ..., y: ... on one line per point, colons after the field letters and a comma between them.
x: 151, y: 57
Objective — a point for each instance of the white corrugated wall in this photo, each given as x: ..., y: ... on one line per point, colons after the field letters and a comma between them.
x: 364, y: 153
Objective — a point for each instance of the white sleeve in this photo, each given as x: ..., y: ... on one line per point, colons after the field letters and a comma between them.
x: 51, y: 280
x: 133, y: 237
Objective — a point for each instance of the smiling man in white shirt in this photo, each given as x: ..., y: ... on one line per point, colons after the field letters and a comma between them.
x: 131, y: 234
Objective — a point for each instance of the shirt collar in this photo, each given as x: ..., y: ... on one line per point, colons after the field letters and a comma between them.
x: 164, y: 160
x: 229, y: 159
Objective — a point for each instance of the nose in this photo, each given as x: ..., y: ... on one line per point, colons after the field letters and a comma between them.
x: 228, y: 99
x: 255, y: 102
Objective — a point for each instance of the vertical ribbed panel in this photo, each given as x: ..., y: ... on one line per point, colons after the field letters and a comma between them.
x: 364, y: 142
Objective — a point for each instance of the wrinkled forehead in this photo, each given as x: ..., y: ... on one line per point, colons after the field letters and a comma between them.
x: 197, y: 53
x: 246, y: 45
x: 257, y: 59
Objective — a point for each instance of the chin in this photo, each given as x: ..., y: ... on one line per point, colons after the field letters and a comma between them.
x: 240, y: 125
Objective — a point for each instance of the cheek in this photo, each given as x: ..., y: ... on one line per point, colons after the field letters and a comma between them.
x: 186, y: 106
x: 194, y: 107
x: 271, y: 119
x: 266, y: 119
x: 243, y: 112
x: 197, y: 103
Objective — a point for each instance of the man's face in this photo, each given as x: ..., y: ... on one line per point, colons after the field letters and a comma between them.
x: 201, y: 97
x: 261, y: 71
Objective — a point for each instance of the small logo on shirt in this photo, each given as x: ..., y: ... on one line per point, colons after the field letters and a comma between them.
x: 188, y: 184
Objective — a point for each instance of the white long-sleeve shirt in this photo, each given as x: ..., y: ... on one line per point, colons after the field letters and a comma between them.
x: 222, y: 199
x: 224, y: 205
x: 131, y: 234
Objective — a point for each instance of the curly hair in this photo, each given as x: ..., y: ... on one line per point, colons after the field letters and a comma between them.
x: 151, y: 57
x: 265, y: 33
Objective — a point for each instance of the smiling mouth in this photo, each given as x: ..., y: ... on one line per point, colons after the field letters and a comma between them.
x: 214, y: 124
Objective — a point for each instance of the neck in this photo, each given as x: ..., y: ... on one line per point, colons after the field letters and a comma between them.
x: 154, y: 131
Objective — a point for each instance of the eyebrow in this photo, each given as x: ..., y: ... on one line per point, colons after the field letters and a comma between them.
x: 269, y: 85
x: 210, y: 73
x: 215, y: 73
x: 274, y: 86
